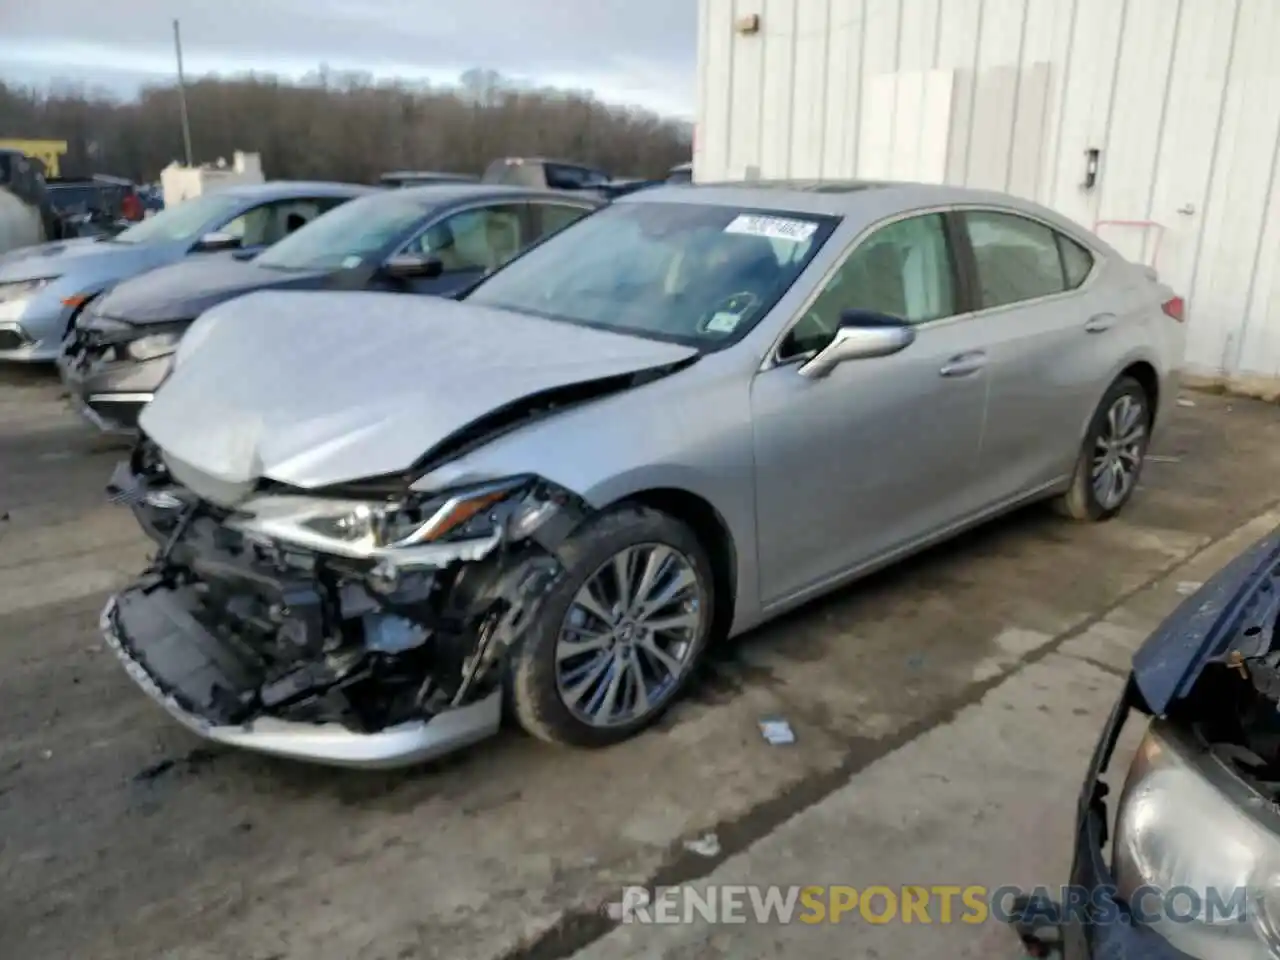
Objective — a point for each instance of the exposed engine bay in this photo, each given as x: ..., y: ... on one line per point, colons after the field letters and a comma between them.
x: 233, y: 625
x: 1234, y: 706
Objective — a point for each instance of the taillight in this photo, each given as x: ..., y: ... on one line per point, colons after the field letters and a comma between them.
x: 1175, y: 308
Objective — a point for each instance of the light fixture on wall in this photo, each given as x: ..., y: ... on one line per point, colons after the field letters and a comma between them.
x: 748, y: 25
x: 1090, y: 168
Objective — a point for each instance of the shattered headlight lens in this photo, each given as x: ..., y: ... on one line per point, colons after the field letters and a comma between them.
x: 1195, y: 858
x: 514, y: 508
x: 154, y: 345
x: 22, y: 289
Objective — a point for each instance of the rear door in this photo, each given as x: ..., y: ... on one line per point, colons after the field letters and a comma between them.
x: 1044, y: 322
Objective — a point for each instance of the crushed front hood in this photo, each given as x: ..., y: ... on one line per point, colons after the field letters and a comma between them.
x: 311, y: 389
x: 1209, y: 625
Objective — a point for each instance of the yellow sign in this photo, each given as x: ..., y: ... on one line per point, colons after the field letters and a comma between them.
x: 48, y: 152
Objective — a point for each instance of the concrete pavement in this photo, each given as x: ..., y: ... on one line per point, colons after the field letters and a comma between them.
x: 122, y: 836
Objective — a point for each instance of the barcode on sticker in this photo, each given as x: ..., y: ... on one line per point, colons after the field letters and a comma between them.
x: 775, y: 228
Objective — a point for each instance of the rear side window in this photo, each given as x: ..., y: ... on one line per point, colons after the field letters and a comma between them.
x: 554, y: 217
x: 560, y: 177
x: 1076, y: 261
x: 1017, y: 259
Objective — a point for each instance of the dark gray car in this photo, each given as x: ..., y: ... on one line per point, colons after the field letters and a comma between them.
x: 44, y: 288
x: 433, y: 240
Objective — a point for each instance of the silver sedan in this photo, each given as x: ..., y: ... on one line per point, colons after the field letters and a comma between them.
x: 684, y: 414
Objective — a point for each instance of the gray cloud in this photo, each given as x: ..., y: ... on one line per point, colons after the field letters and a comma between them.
x: 637, y: 50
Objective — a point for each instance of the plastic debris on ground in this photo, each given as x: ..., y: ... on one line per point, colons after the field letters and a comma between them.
x: 777, y: 731
x: 1188, y: 587
x: 1160, y: 458
x: 1184, y: 402
x: 707, y: 845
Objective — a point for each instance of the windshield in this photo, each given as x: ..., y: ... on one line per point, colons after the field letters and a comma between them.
x: 185, y: 221
x: 695, y: 274
x: 347, y: 236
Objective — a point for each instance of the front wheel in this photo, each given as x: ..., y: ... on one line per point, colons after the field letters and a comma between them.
x: 1110, y: 461
x: 619, y: 633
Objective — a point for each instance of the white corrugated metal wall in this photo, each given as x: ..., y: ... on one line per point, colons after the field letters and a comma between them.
x: 1182, y: 98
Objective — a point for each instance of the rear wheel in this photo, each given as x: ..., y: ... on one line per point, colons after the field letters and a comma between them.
x: 1110, y: 461
x: 620, y: 632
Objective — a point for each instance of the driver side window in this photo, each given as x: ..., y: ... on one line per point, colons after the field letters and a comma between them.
x: 480, y: 239
x: 903, y: 270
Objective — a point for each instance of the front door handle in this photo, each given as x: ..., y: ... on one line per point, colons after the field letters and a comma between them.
x: 1100, y: 322
x: 963, y: 364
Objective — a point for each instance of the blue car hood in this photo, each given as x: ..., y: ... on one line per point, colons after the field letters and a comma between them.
x: 1235, y: 611
x: 86, y: 253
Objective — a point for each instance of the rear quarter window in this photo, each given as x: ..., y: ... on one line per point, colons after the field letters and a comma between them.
x: 1077, y: 262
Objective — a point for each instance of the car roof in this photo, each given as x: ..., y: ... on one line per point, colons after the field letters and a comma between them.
x: 838, y: 198
x: 283, y: 189
x: 441, y: 194
x: 442, y: 174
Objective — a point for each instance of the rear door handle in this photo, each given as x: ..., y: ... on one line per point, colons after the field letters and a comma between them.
x: 963, y: 364
x: 1100, y: 322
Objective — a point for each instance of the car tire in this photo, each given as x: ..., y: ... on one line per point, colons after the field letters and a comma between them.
x: 537, y: 690
x: 1084, y: 501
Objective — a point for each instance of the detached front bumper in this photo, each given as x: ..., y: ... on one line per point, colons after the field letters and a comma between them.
x: 176, y: 661
x: 269, y: 647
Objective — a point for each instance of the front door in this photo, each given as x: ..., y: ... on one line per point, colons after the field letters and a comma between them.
x: 880, y: 452
x: 470, y: 244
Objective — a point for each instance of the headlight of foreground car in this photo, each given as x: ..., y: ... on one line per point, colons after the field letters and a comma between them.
x: 1176, y: 829
x: 368, y: 529
x: 22, y: 289
x: 153, y: 345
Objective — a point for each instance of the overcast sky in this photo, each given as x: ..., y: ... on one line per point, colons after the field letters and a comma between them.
x: 627, y: 51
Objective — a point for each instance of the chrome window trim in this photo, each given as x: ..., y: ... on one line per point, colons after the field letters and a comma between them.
x: 772, y: 358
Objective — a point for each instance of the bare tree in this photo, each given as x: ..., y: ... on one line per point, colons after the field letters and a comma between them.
x: 343, y: 126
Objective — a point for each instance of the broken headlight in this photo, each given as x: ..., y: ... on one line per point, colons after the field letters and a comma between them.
x: 1197, y: 858
x: 514, y: 507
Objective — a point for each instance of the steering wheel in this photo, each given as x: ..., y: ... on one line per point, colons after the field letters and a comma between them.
x: 734, y: 307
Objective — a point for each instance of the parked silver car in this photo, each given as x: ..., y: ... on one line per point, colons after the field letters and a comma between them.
x: 677, y: 418
x: 44, y: 288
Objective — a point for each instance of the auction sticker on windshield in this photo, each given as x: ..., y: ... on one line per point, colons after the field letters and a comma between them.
x: 775, y: 228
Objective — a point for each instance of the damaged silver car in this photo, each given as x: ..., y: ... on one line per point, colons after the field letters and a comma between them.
x: 382, y: 521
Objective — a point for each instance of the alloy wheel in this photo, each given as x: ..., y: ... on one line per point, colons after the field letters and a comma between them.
x: 629, y: 635
x: 1118, y: 450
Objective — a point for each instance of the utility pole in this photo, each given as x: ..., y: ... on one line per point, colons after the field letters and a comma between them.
x: 182, y: 95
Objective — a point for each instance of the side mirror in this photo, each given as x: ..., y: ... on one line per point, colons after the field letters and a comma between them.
x: 413, y: 266
x: 863, y: 335
x: 217, y: 241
